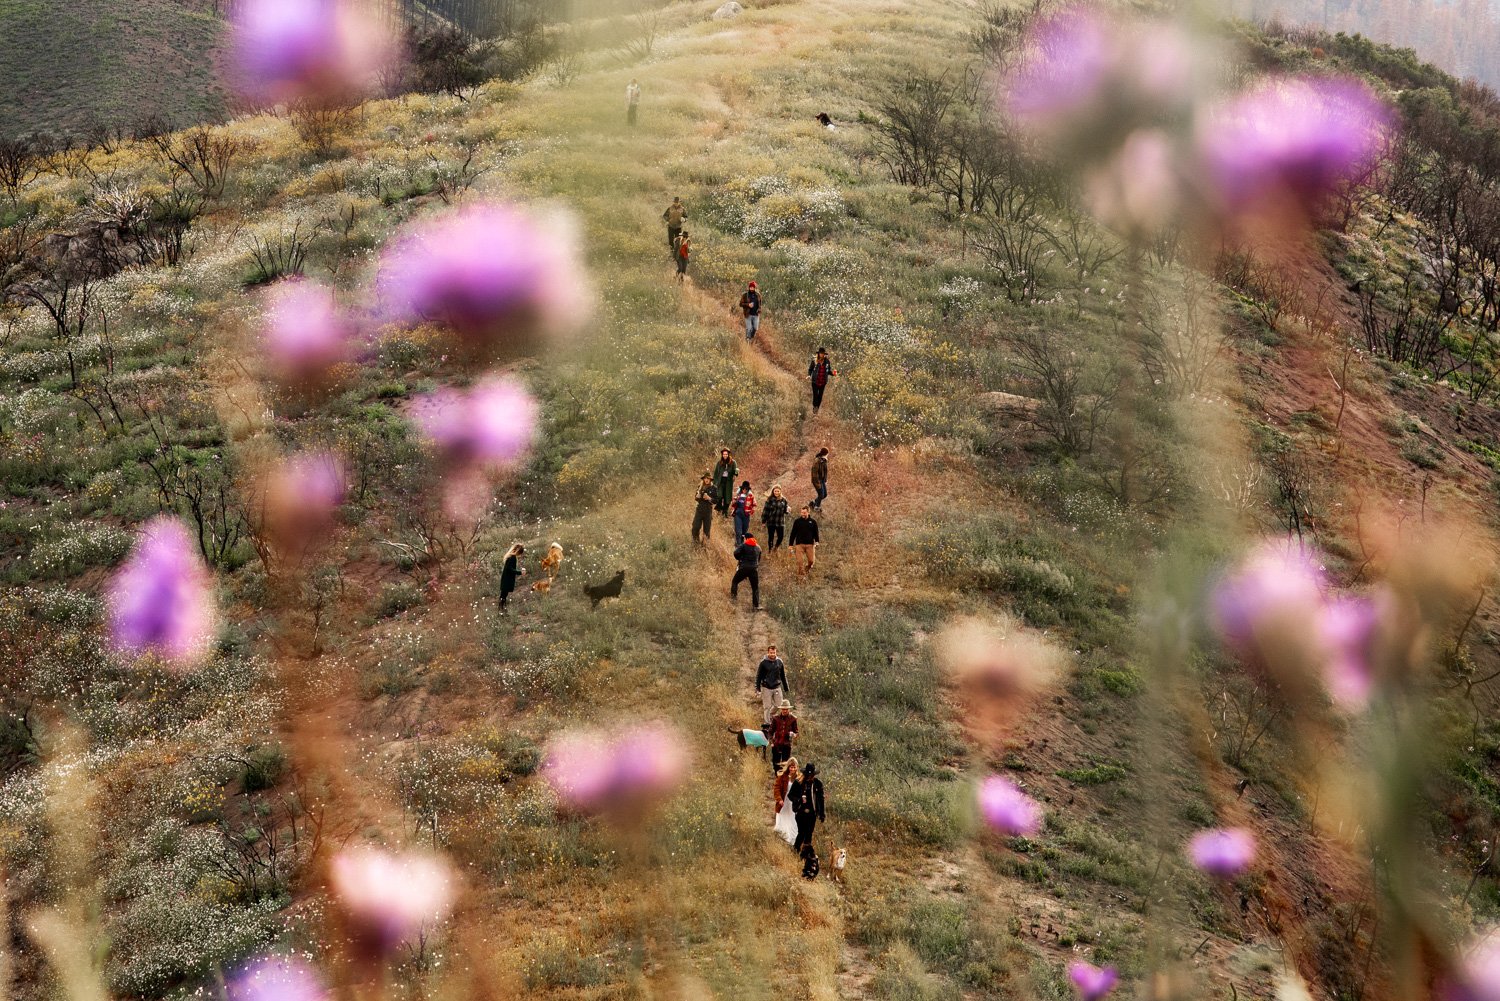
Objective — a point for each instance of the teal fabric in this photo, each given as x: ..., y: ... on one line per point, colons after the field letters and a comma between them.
x: 754, y: 738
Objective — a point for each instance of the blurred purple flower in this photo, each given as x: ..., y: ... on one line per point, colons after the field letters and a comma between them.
x: 1347, y: 628
x: 389, y: 898
x: 1093, y: 982
x: 1222, y: 852
x: 307, y: 50
x: 498, y: 275
x: 1065, y: 67
x: 592, y: 773
x: 1007, y: 809
x: 1279, y: 581
x: 1138, y: 189
x: 491, y: 425
x: 1290, y: 138
x: 161, y: 599
x: 304, y: 334
x: 302, y: 495
x: 275, y: 978
x: 1477, y: 977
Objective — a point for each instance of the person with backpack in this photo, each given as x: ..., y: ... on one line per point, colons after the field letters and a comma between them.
x: 511, y: 573
x: 724, y: 473
x: 806, y: 795
x: 804, y: 541
x: 684, y: 248
x: 703, y: 517
x: 820, y: 478
x: 773, y: 516
x: 632, y: 101
x: 673, y: 217
x: 770, y: 681
x: 743, y: 507
x: 750, y: 306
x: 747, y: 567
x: 819, y: 371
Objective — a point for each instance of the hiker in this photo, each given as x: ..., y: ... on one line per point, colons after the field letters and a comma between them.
x: 820, y: 478
x: 773, y: 516
x: 785, y: 820
x: 673, y: 217
x: 743, y: 507
x: 809, y: 854
x: 747, y: 559
x: 703, y: 517
x: 632, y: 100
x: 510, y: 573
x: 806, y: 795
x: 819, y: 371
x: 804, y: 541
x: 750, y: 306
x: 724, y: 473
x: 770, y: 681
x: 684, y: 248
x: 783, y: 732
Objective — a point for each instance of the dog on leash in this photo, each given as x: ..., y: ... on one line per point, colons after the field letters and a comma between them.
x: 836, y: 865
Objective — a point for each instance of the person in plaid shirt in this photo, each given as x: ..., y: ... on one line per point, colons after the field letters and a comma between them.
x: 773, y: 516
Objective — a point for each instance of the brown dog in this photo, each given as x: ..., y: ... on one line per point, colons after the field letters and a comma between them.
x: 552, y: 562
x: 543, y: 586
x: 836, y: 866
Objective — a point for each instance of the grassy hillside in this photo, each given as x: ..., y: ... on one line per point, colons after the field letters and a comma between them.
x: 67, y: 65
x: 380, y: 697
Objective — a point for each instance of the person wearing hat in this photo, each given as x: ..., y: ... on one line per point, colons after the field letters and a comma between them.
x: 819, y: 371
x: 673, y: 217
x: 724, y: 473
x: 783, y: 732
x: 747, y: 561
x: 742, y: 508
x: 703, y: 517
x: 750, y: 306
x: 684, y: 248
x: 806, y: 794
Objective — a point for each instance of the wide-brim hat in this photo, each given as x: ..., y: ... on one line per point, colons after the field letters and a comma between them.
x: 784, y: 704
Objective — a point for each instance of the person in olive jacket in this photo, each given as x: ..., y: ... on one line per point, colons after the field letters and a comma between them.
x: 724, y: 475
x: 806, y: 795
x: 703, y: 517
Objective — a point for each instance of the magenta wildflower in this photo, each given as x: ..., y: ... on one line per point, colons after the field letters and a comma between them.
x: 1093, y: 982
x: 593, y: 773
x: 1477, y: 977
x: 499, y: 276
x: 307, y: 50
x: 1290, y: 139
x: 161, y: 599
x: 275, y: 978
x: 1007, y: 809
x: 1347, y: 629
x: 1065, y: 70
x: 387, y: 898
x: 491, y: 425
x: 302, y: 495
x: 1280, y: 582
x: 1138, y: 189
x: 304, y: 333
x: 1222, y: 852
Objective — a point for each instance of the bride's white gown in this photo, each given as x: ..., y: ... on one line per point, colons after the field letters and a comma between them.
x: 786, y: 824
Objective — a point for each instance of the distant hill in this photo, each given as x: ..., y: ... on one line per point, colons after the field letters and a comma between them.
x: 67, y: 63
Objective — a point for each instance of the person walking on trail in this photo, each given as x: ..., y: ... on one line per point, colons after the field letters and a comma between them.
x: 511, y: 573
x: 820, y: 478
x: 819, y: 371
x: 770, y: 682
x: 804, y: 541
x: 783, y: 732
x: 773, y: 516
x: 684, y: 248
x: 674, y: 216
x: 750, y: 306
x: 724, y: 473
x: 806, y: 795
x: 743, y: 507
x: 703, y: 517
x: 747, y: 560
x: 632, y: 100
x: 785, y: 821
x: 785, y: 776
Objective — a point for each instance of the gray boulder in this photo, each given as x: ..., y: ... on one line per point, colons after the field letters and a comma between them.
x: 728, y: 10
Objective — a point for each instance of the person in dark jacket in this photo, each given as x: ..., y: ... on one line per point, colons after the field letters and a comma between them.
x: 724, y: 473
x: 773, y: 516
x: 783, y: 732
x: 743, y: 507
x: 750, y: 306
x: 819, y: 371
x: 674, y: 216
x: 703, y: 517
x: 770, y: 681
x: 511, y: 573
x: 804, y: 540
x: 747, y: 558
x: 807, y: 803
x: 820, y: 478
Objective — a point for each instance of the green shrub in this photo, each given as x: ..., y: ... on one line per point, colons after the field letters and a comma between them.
x: 397, y: 598
x: 263, y: 768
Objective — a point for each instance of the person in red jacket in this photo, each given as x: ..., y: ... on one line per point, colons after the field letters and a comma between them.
x: 683, y: 249
x: 819, y: 371
x: 742, y: 508
x: 783, y: 732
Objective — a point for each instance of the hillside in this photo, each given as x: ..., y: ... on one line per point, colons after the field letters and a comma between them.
x: 179, y: 822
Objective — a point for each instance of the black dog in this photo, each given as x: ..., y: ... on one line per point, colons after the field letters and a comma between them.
x: 609, y: 589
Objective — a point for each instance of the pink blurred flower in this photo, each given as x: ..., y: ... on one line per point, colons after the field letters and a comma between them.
x: 1138, y: 189
x: 307, y: 50
x: 1477, y: 977
x: 304, y: 333
x: 500, y: 276
x: 161, y: 599
x: 1007, y: 809
x: 1280, y: 581
x: 1290, y: 139
x: 1092, y: 981
x: 302, y: 495
x: 593, y: 773
x: 491, y: 425
x: 389, y: 898
x: 275, y: 978
x: 1222, y: 852
x: 1068, y: 59
x: 1347, y: 629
